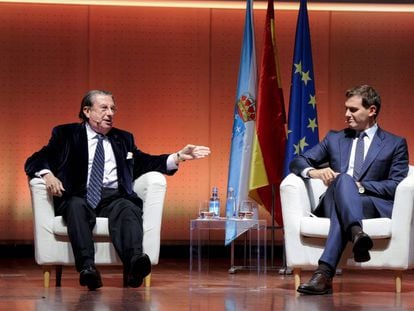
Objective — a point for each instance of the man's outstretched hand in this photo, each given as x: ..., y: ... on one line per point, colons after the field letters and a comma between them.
x: 192, y: 152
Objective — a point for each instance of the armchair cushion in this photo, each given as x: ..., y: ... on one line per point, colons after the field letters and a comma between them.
x: 100, y: 229
x: 318, y: 227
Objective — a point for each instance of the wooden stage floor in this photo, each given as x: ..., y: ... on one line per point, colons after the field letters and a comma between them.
x: 173, y: 288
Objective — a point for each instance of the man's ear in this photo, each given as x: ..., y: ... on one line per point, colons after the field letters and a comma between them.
x: 372, y: 110
x: 86, y: 111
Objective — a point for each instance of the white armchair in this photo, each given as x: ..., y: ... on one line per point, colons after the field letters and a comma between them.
x: 305, y: 235
x: 52, y: 246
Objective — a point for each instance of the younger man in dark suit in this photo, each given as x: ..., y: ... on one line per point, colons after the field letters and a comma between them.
x: 365, y: 165
x: 89, y: 168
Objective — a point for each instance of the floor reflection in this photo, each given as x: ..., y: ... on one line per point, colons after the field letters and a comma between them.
x: 173, y: 289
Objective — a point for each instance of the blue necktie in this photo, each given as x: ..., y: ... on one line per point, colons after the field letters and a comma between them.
x: 93, y: 194
x: 359, y: 155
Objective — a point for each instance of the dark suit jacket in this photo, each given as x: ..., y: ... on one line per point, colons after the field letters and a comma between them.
x: 385, y: 164
x: 66, y: 155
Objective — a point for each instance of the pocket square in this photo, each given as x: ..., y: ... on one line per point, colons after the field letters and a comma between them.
x: 129, y: 155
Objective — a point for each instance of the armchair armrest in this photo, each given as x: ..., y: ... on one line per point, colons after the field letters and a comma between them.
x: 298, y: 198
x: 402, y: 218
x: 294, y: 198
x: 43, y: 215
x: 151, y: 188
x: 295, y: 205
x: 41, y: 197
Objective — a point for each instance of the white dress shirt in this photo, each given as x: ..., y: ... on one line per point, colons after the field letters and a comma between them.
x: 110, y: 177
x: 367, y: 142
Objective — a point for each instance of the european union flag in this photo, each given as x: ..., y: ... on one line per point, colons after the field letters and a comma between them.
x: 303, y: 122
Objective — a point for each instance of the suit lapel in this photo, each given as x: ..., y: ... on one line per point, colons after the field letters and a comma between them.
x: 376, y: 145
x: 81, y: 144
x: 117, y: 148
x: 345, y: 145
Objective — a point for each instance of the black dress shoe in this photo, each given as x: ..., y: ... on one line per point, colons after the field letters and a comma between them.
x: 319, y: 284
x: 139, y: 269
x: 90, y: 277
x: 362, y: 245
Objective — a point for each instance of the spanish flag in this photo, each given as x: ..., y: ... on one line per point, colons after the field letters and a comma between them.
x: 266, y: 170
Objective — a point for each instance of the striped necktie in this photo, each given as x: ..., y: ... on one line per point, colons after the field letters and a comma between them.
x: 93, y: 194
x: 359, y: 156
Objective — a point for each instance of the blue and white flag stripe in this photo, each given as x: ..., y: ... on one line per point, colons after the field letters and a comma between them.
x: 242, y: 137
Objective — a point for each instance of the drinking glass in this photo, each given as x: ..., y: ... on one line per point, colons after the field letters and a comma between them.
x: 204, y: 211
x: 246, y: 209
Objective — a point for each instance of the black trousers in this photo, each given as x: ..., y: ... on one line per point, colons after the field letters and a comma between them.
x: 124, y: 221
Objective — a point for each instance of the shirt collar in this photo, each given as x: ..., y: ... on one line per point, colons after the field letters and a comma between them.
x: 371, y: 131
x: 91, y: 134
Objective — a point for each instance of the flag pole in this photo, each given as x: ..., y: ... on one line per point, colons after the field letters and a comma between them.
x: 272, y: 247
x: 283, y: 270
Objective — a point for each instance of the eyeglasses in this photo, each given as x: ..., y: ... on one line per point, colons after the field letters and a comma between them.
x: 105, y: 108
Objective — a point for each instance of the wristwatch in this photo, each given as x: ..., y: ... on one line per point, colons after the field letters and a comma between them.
x: 361, y: 189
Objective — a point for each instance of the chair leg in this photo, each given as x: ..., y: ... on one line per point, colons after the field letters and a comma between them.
x: 147, y: 280
x: 296, y: 276
x: 59, y: 269
x: 398, y: 281
x: 46, y: 276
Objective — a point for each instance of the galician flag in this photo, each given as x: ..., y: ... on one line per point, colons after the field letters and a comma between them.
x: 303, y: 122
x: 270, y: 141
x: 244, y: 120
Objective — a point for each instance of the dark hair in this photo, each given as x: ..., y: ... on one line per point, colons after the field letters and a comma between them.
x: 88, y: 99
x: 368, y: 94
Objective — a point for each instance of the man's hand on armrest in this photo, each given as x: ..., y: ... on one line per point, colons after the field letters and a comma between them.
x: 53, y: 184
x: 327, y: 175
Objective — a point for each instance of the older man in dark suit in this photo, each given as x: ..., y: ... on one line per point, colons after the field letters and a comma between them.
x: 89, y: 168
x: 362, y: 166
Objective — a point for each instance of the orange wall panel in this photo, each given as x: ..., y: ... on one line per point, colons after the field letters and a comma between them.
x: 174, y: 76
x: 157, y: 64
x: 43, y: 69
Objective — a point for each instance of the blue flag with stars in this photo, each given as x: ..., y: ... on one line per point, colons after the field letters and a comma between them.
x: 302, y: 121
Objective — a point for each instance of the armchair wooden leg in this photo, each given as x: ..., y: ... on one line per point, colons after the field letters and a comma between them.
x: 296, y: 276
x: 46, y: 276
x: 398, y: 281
x: 147, y: 281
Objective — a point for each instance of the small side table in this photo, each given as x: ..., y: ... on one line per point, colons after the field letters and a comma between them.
x: 252, y: 235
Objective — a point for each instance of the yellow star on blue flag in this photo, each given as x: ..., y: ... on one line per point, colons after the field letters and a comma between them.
x: 303, y: 120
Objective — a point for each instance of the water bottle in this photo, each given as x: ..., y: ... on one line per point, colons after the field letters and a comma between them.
x: 230, y: 203
x: 214, y: 204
